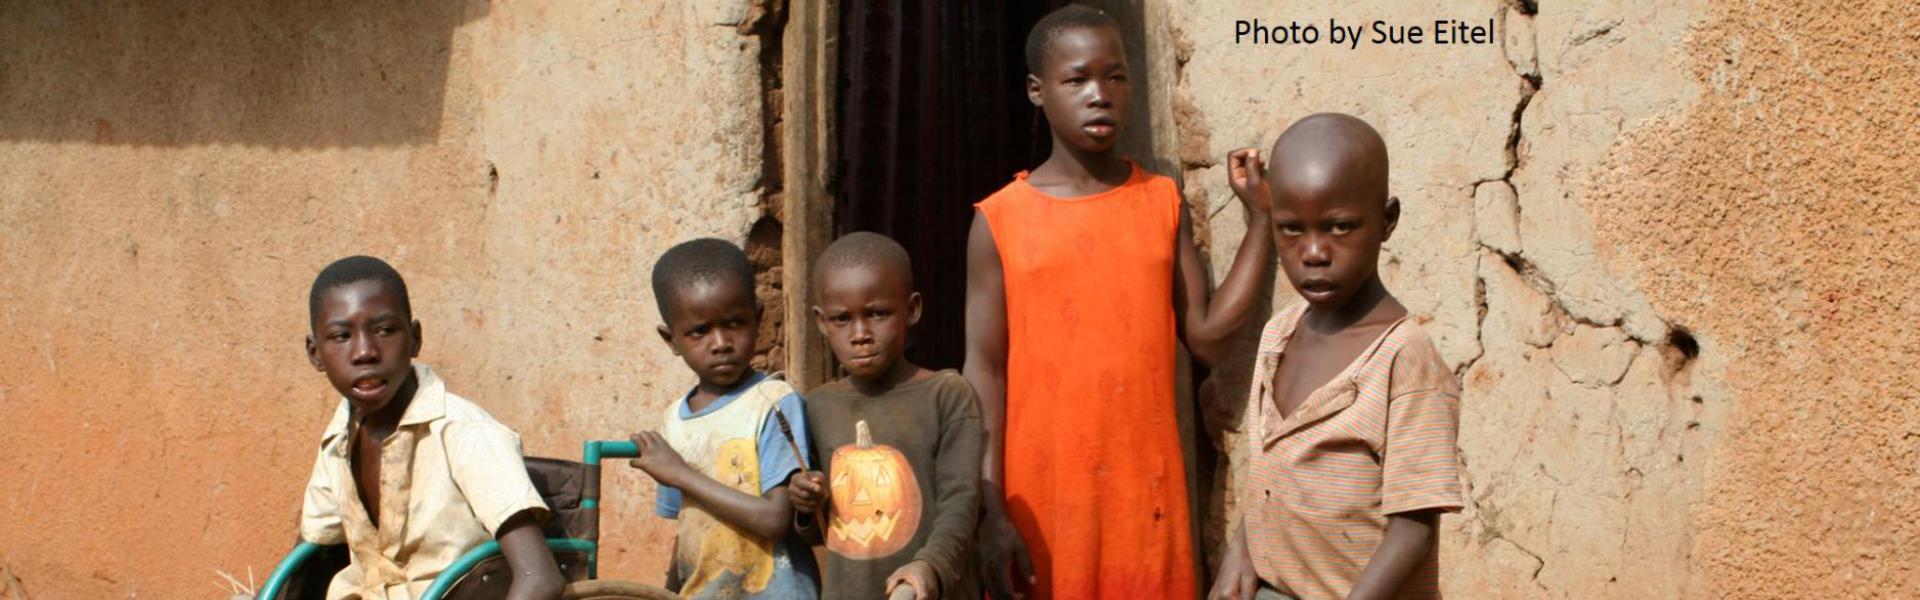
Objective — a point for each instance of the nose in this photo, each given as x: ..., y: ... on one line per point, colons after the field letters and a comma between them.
x: 1098, y: 94
x: 362, y: 350
x: 721, y: 342
x: 861, y: 332
x: 1314, y: 252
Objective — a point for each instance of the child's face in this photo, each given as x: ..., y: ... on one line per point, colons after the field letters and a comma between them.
x: 364, y: 343
x: 1083, y: 88
x: 865, y: 312
x: 1328, y: 231
x: 712, y: 327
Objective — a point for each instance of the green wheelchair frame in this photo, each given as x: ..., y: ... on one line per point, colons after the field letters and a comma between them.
x: 594, y: 451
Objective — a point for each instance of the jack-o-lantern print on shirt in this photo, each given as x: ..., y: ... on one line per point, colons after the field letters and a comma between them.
x: 875, y: 499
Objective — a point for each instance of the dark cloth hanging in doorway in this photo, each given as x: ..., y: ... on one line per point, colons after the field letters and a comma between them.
x: 933, y: 117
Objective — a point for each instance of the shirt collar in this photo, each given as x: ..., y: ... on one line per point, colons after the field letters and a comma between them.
x: 740, y: 389
x: 429, y: 403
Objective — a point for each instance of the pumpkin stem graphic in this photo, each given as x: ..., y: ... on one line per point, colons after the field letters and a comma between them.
x: 862, y: 438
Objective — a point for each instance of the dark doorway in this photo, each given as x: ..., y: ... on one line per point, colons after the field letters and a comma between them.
x: 933, y: 117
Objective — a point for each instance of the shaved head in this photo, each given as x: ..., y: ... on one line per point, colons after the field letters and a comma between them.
x: 1330, y: 151
x: 867, y: 250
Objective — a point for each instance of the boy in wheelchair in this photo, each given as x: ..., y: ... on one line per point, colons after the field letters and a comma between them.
x: 409, y: 476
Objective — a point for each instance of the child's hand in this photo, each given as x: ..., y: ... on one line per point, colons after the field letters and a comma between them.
x: 916, y: 576
x: 1002, y: 553
x: 658, y: 458
x: 807, y: 490
x: 1236, y: 580
x: 1247, y: 174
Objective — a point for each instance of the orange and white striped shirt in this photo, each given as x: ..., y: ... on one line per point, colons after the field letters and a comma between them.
x: 1376, y: 440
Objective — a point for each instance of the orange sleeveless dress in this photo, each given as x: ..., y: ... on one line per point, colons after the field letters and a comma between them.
x: 1094, y: 478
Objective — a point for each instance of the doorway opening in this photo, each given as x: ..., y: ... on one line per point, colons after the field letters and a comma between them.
x: 933, y: 117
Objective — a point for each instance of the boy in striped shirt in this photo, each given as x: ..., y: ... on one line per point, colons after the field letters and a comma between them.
x: 1353, y: 416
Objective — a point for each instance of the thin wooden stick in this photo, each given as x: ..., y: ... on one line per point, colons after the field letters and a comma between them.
x: 787, y: 430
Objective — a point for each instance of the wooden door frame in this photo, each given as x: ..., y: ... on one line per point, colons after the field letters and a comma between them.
x: 810, y: 74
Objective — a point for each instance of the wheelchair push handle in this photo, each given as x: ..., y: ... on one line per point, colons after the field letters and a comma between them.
x: 596, y: 450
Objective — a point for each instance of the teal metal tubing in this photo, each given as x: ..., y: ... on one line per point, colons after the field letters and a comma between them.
x: 594, y: 450
x: 301, y: 552
x: 597, y: 449
x: 473, y: 557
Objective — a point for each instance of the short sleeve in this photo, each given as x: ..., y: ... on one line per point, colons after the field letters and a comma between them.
x: 1420, y: 461
x: 485, y: 461
x: 777, y: 460
x: 666, y: 501
x: 320, y: 511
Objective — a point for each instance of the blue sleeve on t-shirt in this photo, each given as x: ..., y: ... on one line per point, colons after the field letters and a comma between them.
x: 666, y: 502
x: 776, y: 457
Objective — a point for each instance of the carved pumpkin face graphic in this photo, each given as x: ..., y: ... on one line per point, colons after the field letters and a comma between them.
x: 876, y: 499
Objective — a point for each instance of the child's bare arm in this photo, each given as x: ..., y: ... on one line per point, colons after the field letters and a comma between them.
x: 1000, y: 547
x: 1236, y: 579
x: 535, y: 576
x: 986, y: 359
x: 1410, y: 538
x: 1208, y: 317
x: 767, y: 517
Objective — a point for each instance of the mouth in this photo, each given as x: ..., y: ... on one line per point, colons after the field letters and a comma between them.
x: 725, y: 367
x: 369, y: 386
x: 863, y: 361
x: 1318, y: 289
x: 1100, y: 127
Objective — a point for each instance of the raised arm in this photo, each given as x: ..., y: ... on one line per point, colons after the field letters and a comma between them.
x: 767, y: 517
x: 1000, y: 547
x: 1208, y: 317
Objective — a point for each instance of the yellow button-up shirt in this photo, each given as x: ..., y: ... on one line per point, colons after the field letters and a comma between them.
x: 450, y: 475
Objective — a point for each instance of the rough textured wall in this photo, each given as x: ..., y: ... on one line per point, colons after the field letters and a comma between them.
x: 1666, y: 247
x: 1776, y: 219
x: 173, y: 174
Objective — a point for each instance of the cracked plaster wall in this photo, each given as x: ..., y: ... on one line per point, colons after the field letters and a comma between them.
x: 1665, y: 247
x: 161, y: 418
x: 1608, y: 176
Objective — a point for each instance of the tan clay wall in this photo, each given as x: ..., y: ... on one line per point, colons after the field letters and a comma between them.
x: 1668, y: 248
x: 174, y: 173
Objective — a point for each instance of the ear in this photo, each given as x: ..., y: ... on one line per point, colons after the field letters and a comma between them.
x: 1392, y: 216
x: 313, y: 355
x: 1033, y: 89
x: 417, y: 340
x: 914, y: 304
x: 820, y: 319
x: 666, y: 335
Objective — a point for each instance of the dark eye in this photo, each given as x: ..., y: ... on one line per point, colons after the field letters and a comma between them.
x: 1287, y: 228
x: 1076, y: 80
x: 1343, y: 227
x: 338, y: 336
